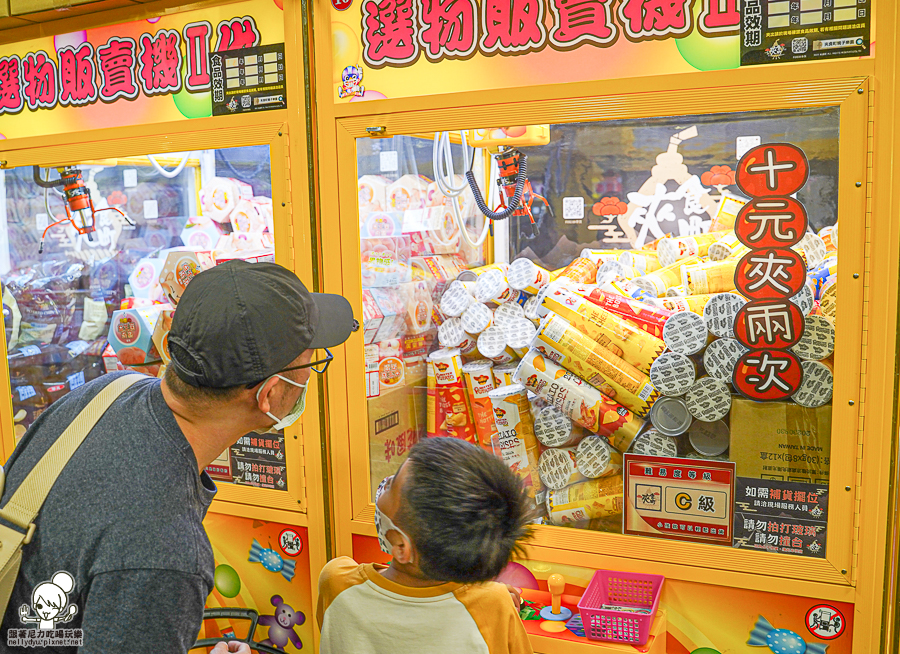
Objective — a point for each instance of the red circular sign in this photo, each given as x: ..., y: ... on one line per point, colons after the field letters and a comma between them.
x: 825, y: 621
x: 773, y: 222
x: 772, y: 169
x: 341, y: 5
x: 772, y: 324
x: 768, y: 375
x: 290, y: 542
x: 770, y: 273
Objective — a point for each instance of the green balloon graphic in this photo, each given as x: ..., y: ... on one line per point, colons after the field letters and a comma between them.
x: 227, y: 581
x: 718, y: 53
x: 193, y: 105
x: 706, y: 650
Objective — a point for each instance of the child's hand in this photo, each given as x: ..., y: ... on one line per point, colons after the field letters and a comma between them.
x: 516, y: 595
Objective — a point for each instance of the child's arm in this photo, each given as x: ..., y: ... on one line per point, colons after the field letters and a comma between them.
x: 498, y: 620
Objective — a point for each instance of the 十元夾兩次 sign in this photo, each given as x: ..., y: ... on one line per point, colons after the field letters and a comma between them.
x: 154, y: 70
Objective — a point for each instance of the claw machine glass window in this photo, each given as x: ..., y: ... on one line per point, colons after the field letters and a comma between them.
x: 606, y: 350
x: 96, y: 294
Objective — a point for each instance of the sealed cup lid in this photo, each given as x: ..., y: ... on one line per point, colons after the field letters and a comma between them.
x: 522, y: 273
x: 552, y: 427
x: 667, y: 249
x: 507, y: 312
x: 817, y: 342
x: 490, y: 286
x: 720, y: 312
x: 817, y: 385
x: 676, y: 291
x: 685, y: 333
x: 653, y: 443
x: 520, y: 333
x: 456, y: 299
x: 474, y: 367
x: 651, y: 284
x: 506, y: 391
x: 451, y: 333
x: 708, y: 399
x: 492, y: 341
x: 805, y: 299
x: 721, y: 358
x: 814, y: 247
x: 531, y: 307
x: 555, y: 468
x: 445, y: 353
x: 670, y: 416
x: 709, y: 438
x: 477, y: 318
x: 672, y: 374
x: 593, y: 456
x: 610, y: 271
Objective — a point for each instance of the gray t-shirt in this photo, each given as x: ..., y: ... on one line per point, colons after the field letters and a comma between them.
x: 124, y: 519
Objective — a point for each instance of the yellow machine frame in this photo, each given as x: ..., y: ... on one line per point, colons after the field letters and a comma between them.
x: 862, y: 524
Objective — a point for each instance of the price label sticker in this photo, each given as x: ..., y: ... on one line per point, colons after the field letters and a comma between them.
x: 76, y: 380
x: 25, y: 392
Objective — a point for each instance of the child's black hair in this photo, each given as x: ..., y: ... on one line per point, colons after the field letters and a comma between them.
x: 466, y: 512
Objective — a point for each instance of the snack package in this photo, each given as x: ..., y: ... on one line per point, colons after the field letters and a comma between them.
x: 392, y: 303
x: 372, y: 193
x: 131, y: 334
x: 452, y: 397
x: 180, y: 268
x: 219, y: 197
x: 161, y: 334
x: 479, y: 383
x: 250, y: 256
x: 589, y: 500
x: 201, y: 232
x: 145, y: 276
x: 243, y: 242
x: 519, y: 447
x: 246, y: 218
x: 385, y: 261
x: 408, y: 192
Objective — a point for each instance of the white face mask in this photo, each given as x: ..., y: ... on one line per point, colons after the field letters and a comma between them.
x: 384, y: 524
x: 295, y: 412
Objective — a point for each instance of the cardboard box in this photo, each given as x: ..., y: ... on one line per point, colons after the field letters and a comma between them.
x: 780, y: 440
x: 396, y: 423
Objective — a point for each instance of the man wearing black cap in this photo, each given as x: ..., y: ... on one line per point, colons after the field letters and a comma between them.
x: 124, y: 518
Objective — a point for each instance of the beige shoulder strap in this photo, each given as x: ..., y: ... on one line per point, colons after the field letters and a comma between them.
x: 25, y: 503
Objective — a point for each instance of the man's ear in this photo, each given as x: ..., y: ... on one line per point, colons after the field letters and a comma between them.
x: 265, y: 395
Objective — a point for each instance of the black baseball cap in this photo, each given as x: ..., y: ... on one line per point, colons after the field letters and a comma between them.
x: 239, y: 323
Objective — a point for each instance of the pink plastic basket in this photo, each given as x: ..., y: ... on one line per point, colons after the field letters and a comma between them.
x: 608, y: 587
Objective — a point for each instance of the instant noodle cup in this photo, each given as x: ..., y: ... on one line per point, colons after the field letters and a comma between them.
x: 577, y: 399
x: 721, y: 358
x: 574, y: 351
x: 580, y: 271
x: 503, y: 374
x: 598, y: 257
x: 596, y: 458
x: 472, y: 274
x: 817, y: 386
x: 558, y: 469
x: 673, y: 374
x: 555, y: 429
x: 525, y: 275
x: 711, y: 277
x: 674, y: 249
x: 479, y: 382
x: 661, y: 280
x: 519, y: 447
x: 643, y: 261
x: 589, y: 500
x: 457, y: 298
x: 709, y: 438
x: 670, y: 416
x: 476, y: 318
x: 519, y: 335
x: 708, y: 399
x: 720, y: 312
x: 685, y: 333
x: 508, y: 312
x: 606, y: 328
x: 451, y: 396
x: 653, y: 443
x: 817, y: 342
x: 493, y: 345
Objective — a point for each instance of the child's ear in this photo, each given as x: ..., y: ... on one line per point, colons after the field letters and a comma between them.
x: 401, y: 548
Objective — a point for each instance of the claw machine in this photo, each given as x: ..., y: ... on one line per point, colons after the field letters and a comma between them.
x: 138, y: 151
x: 591, y: 202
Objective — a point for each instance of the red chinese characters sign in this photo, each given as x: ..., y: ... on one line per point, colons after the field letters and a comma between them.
x: 771, y: 273
x: 161, y: 62
x: 396, y: 33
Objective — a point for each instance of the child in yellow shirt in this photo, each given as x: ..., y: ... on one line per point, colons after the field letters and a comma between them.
x: 452, y: 517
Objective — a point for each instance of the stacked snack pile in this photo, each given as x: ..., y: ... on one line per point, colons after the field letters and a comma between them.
x: 619, y: 351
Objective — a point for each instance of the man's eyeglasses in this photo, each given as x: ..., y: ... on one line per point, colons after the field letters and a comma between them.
x: 319, y: 366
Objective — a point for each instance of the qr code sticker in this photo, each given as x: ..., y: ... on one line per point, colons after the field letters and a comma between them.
x: 799, y: 45
x: 573, y: 208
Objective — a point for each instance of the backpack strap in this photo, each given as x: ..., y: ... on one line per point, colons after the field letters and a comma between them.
x: 23, y: 506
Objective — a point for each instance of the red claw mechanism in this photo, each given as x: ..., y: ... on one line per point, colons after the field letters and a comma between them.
x: 512, y: 166
x: 78, y: 201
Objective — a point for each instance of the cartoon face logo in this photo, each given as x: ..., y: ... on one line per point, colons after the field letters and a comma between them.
x: 442, y: 367
x: 233, y: 105
x: 186, y: 271
x: 351, y: 82
x: 481, y: 378
x: 776, y: 50
x: 50, y: 602
x: 587, y: 414
x: 531, y: 381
